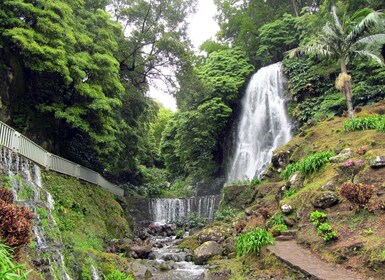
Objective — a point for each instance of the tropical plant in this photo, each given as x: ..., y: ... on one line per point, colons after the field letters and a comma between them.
x: 317, y: 217
x: 8, y: 269
x: 253, y: 242
x: 371, y: 122
x: 308, y: 165
x: 346, y: 40
x: 324, y: 230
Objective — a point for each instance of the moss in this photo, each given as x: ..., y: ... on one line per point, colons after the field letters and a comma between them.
x: 190, y: 243
x: 236, y: 196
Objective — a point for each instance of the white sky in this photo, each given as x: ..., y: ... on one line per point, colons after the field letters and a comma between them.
x: 202, y: 27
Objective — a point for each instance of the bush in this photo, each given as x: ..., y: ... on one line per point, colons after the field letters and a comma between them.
x: 117, y: 275
x: 15, y: 224
x: 372, y: 122
x: 289, y: 192
x: 357, y: 194
x: 9, y: 270
x: 317, y: 217
x: 224, y: 214
x: 308, y: 165
x: 6, y: 195
x: 277, y: 219
x: 253, y: 242
x: 324, y: 230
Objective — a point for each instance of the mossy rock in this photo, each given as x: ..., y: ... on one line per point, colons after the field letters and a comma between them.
x: 236, y: 196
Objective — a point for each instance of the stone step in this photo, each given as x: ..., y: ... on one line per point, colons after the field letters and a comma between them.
x: 290, y: 232
x: 284, y: 237
x: 303, y: 260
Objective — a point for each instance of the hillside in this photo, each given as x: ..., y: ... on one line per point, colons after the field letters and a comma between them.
x: 360, y: 231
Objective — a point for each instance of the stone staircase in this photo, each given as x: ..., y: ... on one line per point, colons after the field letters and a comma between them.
x: 287, y: 235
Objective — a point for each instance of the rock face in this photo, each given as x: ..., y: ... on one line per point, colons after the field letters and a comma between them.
x: 377, y: 162
x: 345, y: 154
x: 206, y: 251
x: 324, y: 200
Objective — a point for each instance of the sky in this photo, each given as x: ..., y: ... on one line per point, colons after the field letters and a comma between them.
x: 202, y: 27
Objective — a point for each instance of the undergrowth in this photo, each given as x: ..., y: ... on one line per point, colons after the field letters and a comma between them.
x: 371, y: 122
x: 253, y: 242
x: 308, y: 165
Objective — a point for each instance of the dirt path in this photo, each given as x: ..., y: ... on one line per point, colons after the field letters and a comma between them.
x: 303, y: 260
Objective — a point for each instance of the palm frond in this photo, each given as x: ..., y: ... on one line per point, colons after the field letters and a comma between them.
x: 371, y: 40
x: 335, y: 17
x: 372, y: 20
x: 376, y: 57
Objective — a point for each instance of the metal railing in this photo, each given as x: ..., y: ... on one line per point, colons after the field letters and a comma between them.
x: 20, y: 144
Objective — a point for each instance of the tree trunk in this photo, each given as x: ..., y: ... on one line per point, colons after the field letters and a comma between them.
x: 347, y: 90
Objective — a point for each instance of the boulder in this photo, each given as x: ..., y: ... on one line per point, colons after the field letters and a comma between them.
x: 141, y: 251
x: 329, y: 186
x: 286, y: 209
x: 140, y: 271
x: 345, y: 154
x: 324, y: 200
x: 377, y: 162
x: 206, y: 251
x: 216, y: 234
x: 167, y: 265
x: 280, y: 159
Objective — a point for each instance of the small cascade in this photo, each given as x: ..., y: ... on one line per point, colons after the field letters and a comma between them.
x: 26, y: 184
x: 95, y: 274
x: 264, y: 125
x: 164, y: 210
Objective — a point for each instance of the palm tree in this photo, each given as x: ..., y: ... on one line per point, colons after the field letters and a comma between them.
x: 343, y: 42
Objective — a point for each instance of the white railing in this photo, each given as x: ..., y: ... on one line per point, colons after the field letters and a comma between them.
x: 12, y: 139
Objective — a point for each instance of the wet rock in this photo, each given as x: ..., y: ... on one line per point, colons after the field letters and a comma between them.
x: 377, y: 162
x: 140, y: 271
x: 286, y: 209
x: 218, y: 275
x: 229, y: 246
x: 167, y: 265
x: 206, y: 251
x: 345, y: 154
x: 188, y: 258
x: 324, y: 200
x: 280, y: 159
x: 216, y: 234
x: 142, y: 251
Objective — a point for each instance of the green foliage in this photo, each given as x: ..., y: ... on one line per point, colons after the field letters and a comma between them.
x: 275, y: 38
x: 193, y: 219
x: 8, y: 269
x: 277, y: 229
x: 225, y: 72
x: 308, y: 165
x: 324, y: 230
x: 317, y: 217
x: 253, y: 242
x: 277, y: 219
x: 372, y: 122
x: 225, y: 214
x: 190, y: 140
x: 117, y: 275
x: 289, y: 193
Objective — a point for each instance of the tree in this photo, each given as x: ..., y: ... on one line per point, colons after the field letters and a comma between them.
x: 346, y: 40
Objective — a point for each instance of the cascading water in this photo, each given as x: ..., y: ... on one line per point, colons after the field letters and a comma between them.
x: 164, y: 210
x: 264, y: 125
x: 25, y: 180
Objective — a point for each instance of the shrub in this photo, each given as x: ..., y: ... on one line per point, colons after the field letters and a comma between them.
x: 15, y: 224
x: 253, y: 242
x: 277, y: 229
x: 324, y: 230
x: 277, y: 219
x: 308, y: 165
x: 6, y: 195
x: 9, y: 270
x: 372, y: 122
x: 224, y: 214
x: 117, y: 275
x: 357, y: 194
x: 289, y: 192
x: 317, y: 217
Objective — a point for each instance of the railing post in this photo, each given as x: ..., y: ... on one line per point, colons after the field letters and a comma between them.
x: 16, y: 142
x: 47, y: 163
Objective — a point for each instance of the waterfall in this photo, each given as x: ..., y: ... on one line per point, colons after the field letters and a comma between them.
x: 164, y: 210
x: 25, y: 181
x: 264, y: 125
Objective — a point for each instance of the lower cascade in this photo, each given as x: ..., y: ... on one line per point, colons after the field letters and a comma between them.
x: 164, y: 210
x: 263, y: 126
